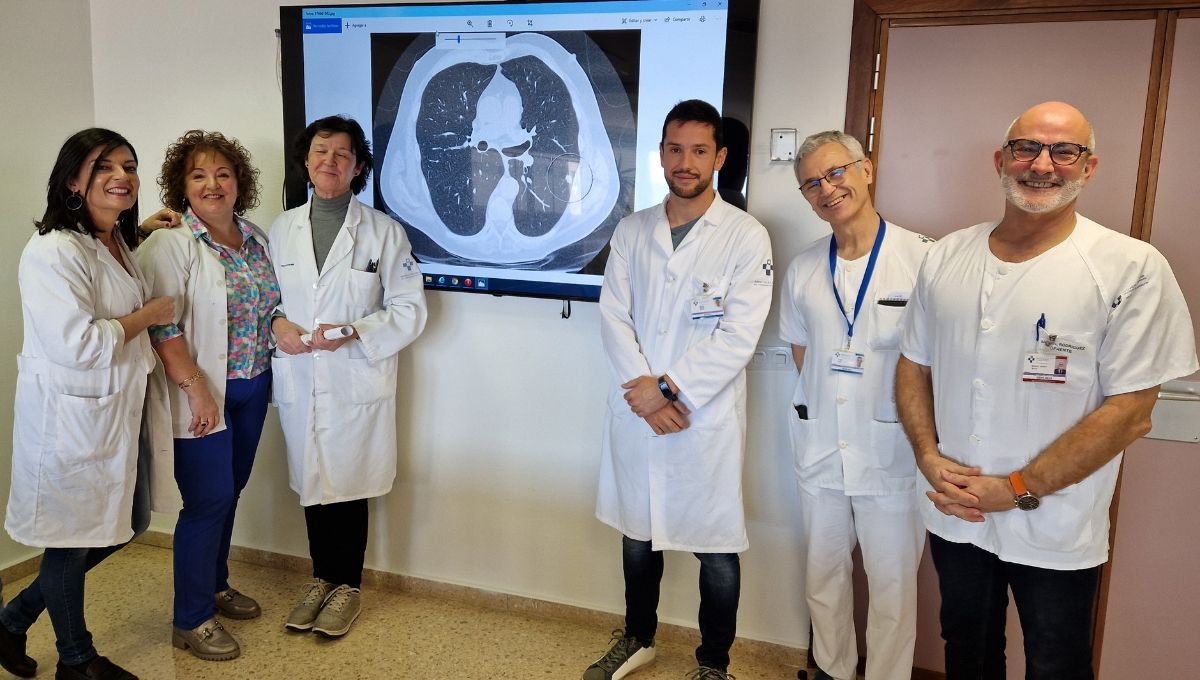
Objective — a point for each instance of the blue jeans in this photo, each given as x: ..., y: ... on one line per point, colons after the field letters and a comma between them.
x: 720, y: 588
x: 58, y: 587
x: 1055, y: 608
x: 211, y: 472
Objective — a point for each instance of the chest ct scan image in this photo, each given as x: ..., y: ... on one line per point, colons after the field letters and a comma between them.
x: 517, y: 154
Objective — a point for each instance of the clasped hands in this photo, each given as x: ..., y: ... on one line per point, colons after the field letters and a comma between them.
x: 648, y: 403
x: 963, y: 492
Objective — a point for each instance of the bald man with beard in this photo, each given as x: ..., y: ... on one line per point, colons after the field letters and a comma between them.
x: 1033, y: 351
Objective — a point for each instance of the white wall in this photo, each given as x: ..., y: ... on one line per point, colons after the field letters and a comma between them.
x: 45, y: 96
x: 501, y: 429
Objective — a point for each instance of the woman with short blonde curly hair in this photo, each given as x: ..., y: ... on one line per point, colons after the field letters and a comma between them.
x: 217, y: 352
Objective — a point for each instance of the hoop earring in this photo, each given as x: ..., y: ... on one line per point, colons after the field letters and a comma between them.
x: 78, y: 201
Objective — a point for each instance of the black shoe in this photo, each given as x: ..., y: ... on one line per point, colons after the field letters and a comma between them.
x: 12, y: 654
x: 99, y: 668
x: 822, y: 675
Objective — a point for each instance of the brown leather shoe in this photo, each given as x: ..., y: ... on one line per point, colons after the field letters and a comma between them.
x: 209, y: 641
x: 234, y: 605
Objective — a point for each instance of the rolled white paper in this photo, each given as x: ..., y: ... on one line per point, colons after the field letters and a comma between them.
x: 330, y: 334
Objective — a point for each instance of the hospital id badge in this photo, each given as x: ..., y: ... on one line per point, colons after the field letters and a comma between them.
x: 1044, y: 368
x: 845, y: 361
x: 705, y: 307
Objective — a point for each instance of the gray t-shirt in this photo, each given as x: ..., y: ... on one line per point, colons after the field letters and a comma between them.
x: 681, y: 232
x: 327, y: 217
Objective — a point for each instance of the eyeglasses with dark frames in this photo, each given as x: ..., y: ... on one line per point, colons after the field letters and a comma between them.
x: 835, y: 177
x: 1061, y: 153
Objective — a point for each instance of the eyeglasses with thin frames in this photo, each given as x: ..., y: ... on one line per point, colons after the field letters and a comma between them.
x: 835, y: 177
x: 1061, y: 153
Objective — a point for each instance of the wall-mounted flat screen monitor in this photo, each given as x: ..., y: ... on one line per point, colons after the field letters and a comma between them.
x: 511, y: 137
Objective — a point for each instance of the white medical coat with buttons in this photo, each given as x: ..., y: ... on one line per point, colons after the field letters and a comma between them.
x: 1107, y: 304
x: 338, y: 409
x: 682, y: 491
x: 851, y: 440
x: 81, y: 394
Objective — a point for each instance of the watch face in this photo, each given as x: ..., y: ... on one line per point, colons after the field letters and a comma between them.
x: 1028, y: 501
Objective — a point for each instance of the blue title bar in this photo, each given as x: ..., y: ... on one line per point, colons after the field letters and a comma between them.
x: 504, y: 9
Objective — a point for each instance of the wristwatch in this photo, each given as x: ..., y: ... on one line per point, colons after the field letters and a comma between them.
x: 665, y: 388
x: 1021, y: 496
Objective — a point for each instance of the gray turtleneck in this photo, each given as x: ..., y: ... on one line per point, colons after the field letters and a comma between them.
x: 327, y: 217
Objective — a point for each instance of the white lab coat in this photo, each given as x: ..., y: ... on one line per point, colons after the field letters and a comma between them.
x: 338, y: 409
x: 178, y: 264
x: 682, y: 491
x: 81, y: 395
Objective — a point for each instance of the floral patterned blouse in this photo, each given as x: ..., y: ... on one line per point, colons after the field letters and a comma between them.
x: 251, y: 295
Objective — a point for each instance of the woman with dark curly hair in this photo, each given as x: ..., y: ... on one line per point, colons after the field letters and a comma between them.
x: 217, y: 352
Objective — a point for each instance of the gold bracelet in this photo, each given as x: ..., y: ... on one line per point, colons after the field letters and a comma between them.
x: 191, y: 380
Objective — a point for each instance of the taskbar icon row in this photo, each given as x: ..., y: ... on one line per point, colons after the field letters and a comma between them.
x: 445, y: 281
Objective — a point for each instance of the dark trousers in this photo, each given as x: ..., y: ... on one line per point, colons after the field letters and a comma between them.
x: 1055, y: 608
x: 720, y: 587
x: 337, y: 541
x: 211, y: 472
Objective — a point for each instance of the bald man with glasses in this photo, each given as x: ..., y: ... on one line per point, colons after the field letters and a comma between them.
x: 842, y: 301
x: 1033, y: 351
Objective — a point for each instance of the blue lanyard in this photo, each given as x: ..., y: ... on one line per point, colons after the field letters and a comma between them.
x: 862, y: 290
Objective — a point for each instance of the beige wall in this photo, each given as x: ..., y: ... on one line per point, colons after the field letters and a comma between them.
x: 45, y: 96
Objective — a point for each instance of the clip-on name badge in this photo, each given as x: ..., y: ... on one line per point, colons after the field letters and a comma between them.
x: 1043, y: 366
x: 704, y: 307
x: 845, y: 361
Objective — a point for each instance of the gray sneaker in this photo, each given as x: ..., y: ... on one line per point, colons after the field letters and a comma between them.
x: 342, y: 606
x: 305, y: 613
x: 706, y: 673
x: 625, y: 656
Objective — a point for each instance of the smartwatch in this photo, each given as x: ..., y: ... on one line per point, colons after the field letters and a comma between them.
x: 1021, y: 496
x: 665, y: 388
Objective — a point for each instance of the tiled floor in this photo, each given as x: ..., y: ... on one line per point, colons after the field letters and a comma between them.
x: 398, y: 635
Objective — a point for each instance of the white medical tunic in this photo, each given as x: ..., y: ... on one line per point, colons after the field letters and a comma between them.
x: 682, y: 491
x: 851, y: 440
x: 1111, y: 307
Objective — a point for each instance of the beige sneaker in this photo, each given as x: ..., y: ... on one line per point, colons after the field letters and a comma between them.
x: 209, y: 641
x: 305, y: 613
x: 341, y: 608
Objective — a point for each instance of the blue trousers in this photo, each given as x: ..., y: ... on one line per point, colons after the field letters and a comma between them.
x: 720, y: 589
x: 211, y: 472
x: 59, y: 584
x: 1055, y: 608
